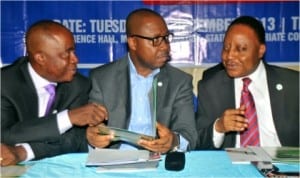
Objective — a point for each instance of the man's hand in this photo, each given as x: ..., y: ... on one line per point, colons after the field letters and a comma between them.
x: 96, y: 140
x: 90, y: 114
x: 232, y: 120
x: 163, y: 144
x: 11, y: 155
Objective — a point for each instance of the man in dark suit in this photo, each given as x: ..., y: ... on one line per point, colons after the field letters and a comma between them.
x: 27, y: 131
x: 221, y: 119
x: 126, y: 88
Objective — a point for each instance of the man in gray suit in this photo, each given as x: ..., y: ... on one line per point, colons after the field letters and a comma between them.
x: 28, y: 129
x: 221, y: 119
x: 127, y: 88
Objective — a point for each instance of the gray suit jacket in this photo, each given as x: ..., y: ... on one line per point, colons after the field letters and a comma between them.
x: 111, y: 87
x: 216, y: 94
x: 19, y: 113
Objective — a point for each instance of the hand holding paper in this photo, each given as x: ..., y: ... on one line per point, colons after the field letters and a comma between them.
x: 96, y: 140
x: 123, y: 134
x: 164, y: 143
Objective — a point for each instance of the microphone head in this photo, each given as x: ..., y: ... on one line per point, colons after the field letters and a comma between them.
x: 175, y: 161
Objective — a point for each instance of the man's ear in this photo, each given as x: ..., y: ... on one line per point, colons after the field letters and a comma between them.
x: 39, y: 58
x: 131, y: 43
x: 262, y: 50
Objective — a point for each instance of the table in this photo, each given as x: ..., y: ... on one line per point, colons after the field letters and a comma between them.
x: 198, y: 164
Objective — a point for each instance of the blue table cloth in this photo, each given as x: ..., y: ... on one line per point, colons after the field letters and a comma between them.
x: 198, y: 164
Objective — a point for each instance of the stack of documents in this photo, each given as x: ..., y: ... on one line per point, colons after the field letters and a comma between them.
x: 264, y: 154
x: 115, y: 160
x: 265, y: 158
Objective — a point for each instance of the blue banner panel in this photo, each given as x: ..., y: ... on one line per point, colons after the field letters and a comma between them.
x: 99, y: 27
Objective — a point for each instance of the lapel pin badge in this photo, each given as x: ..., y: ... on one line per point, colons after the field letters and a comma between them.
x: 279, y: 86
x: 160, y: 84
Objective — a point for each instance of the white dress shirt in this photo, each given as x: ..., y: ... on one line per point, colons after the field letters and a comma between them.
x: 260, y: 92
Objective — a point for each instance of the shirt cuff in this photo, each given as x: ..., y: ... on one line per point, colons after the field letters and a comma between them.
x: 27, y: 147
x: 183, y: 143
x: 218, y: 137
x: 63, y: 121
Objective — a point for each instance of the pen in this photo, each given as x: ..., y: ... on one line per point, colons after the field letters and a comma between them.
x: 242, y: 152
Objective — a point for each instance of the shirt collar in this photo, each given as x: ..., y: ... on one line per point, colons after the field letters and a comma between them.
x: 133, y: 71
x: 258, y: 74
x: 38, y: 81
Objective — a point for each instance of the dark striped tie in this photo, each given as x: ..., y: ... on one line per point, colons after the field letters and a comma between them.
x: 249, y: 137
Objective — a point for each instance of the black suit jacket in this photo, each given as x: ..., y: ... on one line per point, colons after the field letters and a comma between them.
x: 19, y: 112
x: 216, y: 94
x: 111, y: 87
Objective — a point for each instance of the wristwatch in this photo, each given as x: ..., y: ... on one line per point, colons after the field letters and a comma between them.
x: 176, y: 142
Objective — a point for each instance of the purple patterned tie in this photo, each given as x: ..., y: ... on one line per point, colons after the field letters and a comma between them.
x: 51, y: 90
x: 251, y: 135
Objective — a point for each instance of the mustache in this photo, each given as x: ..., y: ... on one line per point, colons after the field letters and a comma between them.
x: 167, y: 55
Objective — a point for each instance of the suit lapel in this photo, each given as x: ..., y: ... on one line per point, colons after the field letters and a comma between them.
x: 276, y: 98
x: 227, y: 98
x: 162, y: 85
x: 124, y: 92
x: 127, y: 96
x: 26, y: 75
x: 227, y: 92
x: 29, y: 93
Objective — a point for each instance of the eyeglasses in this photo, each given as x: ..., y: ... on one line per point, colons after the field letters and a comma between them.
x: 156, y: 41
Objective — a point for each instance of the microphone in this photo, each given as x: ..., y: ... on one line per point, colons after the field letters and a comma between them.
x: 175, y: 161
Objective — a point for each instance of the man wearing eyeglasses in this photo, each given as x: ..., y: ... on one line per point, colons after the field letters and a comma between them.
x: 141, y: 91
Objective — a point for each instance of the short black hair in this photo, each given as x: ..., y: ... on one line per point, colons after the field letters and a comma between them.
x: 140, y: 11
x: 254, y: 24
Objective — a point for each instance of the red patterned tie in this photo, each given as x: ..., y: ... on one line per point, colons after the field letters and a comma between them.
x: 251, y: 135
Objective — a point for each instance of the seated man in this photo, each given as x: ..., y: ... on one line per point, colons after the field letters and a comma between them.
x: 32, y: 128
x: 268, y: 112
x: 127, y: 88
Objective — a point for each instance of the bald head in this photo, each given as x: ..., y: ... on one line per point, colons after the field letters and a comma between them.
x: 135, y: 18
x: 40, y: 32
x: 51, y: 51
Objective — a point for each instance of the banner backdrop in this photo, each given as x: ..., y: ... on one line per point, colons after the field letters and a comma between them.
x: 99, y: 27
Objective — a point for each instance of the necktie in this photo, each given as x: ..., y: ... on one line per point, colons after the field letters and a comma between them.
x: 51, y: 90
x: 251, y: 135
